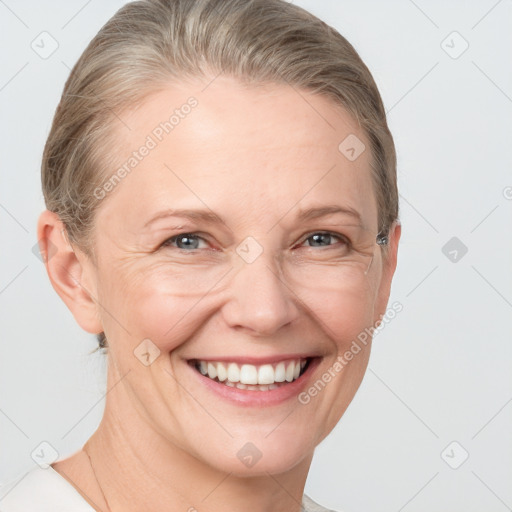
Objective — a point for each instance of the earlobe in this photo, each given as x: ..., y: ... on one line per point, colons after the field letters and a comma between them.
x: 71, y: 276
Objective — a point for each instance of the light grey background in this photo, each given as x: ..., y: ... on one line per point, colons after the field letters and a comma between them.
x: 439, y: 372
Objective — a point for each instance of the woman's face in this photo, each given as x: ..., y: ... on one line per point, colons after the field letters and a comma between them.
x: 257, y: 284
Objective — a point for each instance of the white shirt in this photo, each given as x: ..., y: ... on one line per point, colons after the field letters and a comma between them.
x: 46, y: 490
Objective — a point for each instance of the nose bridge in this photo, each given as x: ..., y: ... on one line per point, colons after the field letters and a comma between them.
x: 259, y: 299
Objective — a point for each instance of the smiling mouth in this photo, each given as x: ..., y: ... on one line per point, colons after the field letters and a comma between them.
x: 265, y: 377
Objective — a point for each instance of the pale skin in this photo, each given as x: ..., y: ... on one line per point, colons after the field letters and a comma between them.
x: 254, y: 156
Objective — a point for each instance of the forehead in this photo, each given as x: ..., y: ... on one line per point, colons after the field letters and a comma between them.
x: 239, y: 149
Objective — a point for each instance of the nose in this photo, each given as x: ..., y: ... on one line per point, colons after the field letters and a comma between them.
x: 260, y: 302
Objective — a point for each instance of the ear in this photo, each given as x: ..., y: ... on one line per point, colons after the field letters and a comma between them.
x: 389, y: 261
x: 71, y: 272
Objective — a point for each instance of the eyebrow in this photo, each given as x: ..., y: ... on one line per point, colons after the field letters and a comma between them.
x: 197, y: 215
x: 323, y: 211
x: 210, y: 217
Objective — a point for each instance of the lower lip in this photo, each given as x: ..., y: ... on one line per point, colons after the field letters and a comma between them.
x: 245, y: 397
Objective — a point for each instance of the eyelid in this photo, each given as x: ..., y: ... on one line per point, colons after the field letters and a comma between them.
x: 341, y: 237
x: 199, y: 235
x: 172, y: 239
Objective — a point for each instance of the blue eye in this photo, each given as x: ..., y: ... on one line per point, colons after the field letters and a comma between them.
x: 323, y: 239
x: 191, y: 241
x: 184, y: 241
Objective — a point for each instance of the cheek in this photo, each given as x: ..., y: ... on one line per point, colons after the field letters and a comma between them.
x: 168, y: 308
x: 157, y: 310
x: 342, y: 313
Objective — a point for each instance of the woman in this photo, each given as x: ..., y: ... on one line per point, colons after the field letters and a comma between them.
x: 222, y: 212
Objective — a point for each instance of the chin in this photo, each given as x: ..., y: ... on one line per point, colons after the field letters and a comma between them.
x: 260, y: 456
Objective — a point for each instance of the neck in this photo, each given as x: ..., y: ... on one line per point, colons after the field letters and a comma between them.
x: 139, y: 470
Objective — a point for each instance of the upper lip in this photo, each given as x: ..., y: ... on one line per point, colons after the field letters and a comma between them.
x: 256, y: 361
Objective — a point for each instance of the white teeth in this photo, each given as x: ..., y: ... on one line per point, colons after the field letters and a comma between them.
x: 212, y: 371
x: 233, y: 372
x: 280, y: 373
x: 266, y: 374
x: 290, y: 369
x: 249, y: 376
x: 222, y: 373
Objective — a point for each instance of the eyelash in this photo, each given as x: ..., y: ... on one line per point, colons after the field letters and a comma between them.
x: 342, y: 238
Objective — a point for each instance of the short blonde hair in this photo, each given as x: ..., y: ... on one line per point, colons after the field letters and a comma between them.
x: 148, y: 44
